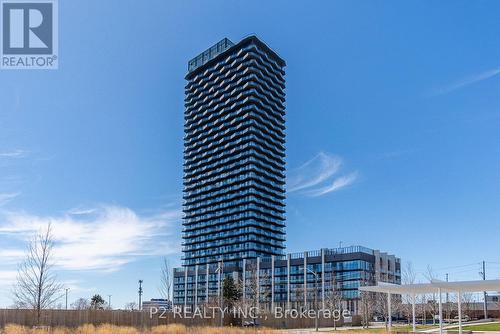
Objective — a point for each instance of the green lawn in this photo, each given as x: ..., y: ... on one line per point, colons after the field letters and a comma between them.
x: 482, y: 327
x: 419, y: 327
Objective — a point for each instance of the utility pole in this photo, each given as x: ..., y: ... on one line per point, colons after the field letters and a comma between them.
x: 67, y: 298
x: 140, y: 294
x: 483, y: 273
x: 447, y: 295
x: 447, y: 301
x: 109, y: 302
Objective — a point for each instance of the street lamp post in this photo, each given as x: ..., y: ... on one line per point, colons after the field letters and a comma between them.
x: 220, y: 272
x: 67, y: 289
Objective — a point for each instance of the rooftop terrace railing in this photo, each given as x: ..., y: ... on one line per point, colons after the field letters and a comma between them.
x: 300, y: 255
x: 209, y: 54
x: 332, y: 251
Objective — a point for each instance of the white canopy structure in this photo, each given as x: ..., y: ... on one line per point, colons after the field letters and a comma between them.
x: 434, y: 286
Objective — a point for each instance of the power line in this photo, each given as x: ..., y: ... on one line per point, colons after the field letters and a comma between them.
x: 464, y: 271
x: 459, y: 266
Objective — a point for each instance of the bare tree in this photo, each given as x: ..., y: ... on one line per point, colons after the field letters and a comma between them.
x: 422, y: 301
x: 382, y: 307
x: 80, y: 304
x: 408, y: 276
x: 19, y: 305
x: 333, y: 300
x: 333, y: 297
x: 381, y: 302
x: 257, y: 292
x: 468, y: 304
x: 368, y: 301
x: 131, y: 306
x: 37, y: 285
x: 431, y: 302
x: 166, y: 279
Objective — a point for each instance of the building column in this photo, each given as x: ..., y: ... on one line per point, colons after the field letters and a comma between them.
x: 272, y: 282
x: 196, y: 286
x: 185, y: 286
x: 323, y: 278
x: 207, y: 282
x: 219, y: 280
x: 257, y: 278
x: 244, y: 279
x: 288, y: 298
x: 305, y: 279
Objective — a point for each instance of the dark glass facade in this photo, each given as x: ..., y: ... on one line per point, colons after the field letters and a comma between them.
x: 234, y: 192
x: 283, y: 281
x: 234, y: 154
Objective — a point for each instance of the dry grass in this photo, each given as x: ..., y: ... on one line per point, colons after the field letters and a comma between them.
x: 110, y: 329
x: 14, y: 329
x: 170, y: 329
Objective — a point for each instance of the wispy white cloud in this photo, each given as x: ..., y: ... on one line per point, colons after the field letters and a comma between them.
x: 78, y: 286
x: 313, y: 172
x: 13, y: 154
x: 466, y: 82
x: 7, y: 197
x: 103, y: 238
x: 336, y: 184
x: 9, y: 181
x: 316, y: 177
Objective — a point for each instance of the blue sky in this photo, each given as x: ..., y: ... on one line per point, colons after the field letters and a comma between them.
x: 393, y: 111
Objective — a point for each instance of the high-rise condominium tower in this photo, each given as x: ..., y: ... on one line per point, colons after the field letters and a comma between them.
x: 234, y: 167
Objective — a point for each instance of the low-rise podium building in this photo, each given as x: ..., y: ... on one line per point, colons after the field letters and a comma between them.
x: 333, y: 275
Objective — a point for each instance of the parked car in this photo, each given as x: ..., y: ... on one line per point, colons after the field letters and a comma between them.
x: 251, y: 323
x: 465, y: 318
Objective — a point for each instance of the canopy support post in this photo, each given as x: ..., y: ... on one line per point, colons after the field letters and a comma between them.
x: 460, y: 312
x: 413, y: 313
x: 389, y: 310
x: 440, y: 312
